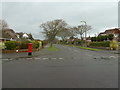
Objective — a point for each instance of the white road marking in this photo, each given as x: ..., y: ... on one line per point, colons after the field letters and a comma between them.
x: 112, y: 57
x: 29, y: 58
x: 60, y: 58
x: 44, y: 58
x: 5, y: 59
x: 37, y: 58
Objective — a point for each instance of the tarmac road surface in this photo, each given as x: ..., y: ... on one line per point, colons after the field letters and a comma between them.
x: 69, y: 67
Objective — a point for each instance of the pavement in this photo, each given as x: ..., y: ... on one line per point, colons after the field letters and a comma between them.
x: 69, y: 67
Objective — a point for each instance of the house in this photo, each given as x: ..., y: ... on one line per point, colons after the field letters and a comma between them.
x: 8, y: 34
x: 115, y: 32
x: 102, y: 34
x: 24, y: 36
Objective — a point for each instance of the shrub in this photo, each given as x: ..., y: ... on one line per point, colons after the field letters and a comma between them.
x: 110, y: 36
x: 23, y: 44
x: 94, y: 39
x: 102, y: 38
x: 105, y: 37
x: 35, y: 44
x: 79, y: 42
x: 69, y: 42
x: 2, y: 45
x: 114, y: 45
x: 63, y: 41
x: 98, y: 38
x: 11, y: 45
x: 100, y: 44
x: 45, y: 42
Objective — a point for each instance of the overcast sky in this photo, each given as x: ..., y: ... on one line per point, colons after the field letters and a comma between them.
x: 27, y: 16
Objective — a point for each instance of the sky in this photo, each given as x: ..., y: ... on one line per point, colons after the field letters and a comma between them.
x: 27, y: 16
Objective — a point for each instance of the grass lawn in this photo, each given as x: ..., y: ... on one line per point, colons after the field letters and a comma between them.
x: 93, y: 49
x: 52, y: 48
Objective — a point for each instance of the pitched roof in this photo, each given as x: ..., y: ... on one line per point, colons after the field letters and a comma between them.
x: 114, y: 31
x: 111, y: 31
x: 9, y: 33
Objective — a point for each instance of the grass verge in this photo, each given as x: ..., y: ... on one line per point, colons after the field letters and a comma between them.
x: 52, y: 48
x: 93, y: 49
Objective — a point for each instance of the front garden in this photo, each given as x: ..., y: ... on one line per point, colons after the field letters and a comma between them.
x: 101, y: 42
x: 12, y: 46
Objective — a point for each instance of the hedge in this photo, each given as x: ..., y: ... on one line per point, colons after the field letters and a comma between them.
x: 100, y: 44
x: 35, y: 44
x: 11, y: 45
x: 103, y: 38
x: 23, y: 44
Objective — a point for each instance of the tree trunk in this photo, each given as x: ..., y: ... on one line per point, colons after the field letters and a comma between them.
x: 81, y: 37
x: 75, y: 42
x: 51, y: 44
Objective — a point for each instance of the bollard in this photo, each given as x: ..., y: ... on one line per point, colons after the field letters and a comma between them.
x: 29, y: 48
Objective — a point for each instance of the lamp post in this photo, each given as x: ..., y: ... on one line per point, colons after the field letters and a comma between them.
x: 85, y: 32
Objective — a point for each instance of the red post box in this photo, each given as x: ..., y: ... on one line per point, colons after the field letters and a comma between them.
x: 29, y: 48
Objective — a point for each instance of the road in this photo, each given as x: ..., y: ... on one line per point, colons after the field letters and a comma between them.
x: 69, y: 67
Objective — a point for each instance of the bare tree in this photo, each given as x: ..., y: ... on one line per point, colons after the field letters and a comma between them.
x: 3, y: 25
x: 81, y: 29
x: 52, y: 28
x: 65, y: 33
